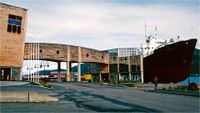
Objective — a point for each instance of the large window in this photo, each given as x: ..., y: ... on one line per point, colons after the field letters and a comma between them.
x: 14, y: 23
x: 124, y: 52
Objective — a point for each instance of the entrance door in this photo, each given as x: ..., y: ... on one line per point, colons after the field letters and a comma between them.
x: 5, y: 73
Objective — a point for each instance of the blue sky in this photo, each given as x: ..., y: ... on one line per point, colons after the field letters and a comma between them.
x: 105, y: 24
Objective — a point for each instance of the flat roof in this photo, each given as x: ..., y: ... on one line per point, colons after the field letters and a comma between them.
x: 13, y: 6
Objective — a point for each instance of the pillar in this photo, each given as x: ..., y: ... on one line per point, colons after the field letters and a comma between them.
x: 68, y: 63
x: 68, y: 70
x: 32, y: 76
x: 79, y: 64
x: 59, y: 69
x: 141, y: 68
x: 118, y: 71
x: 119, y: 75
x: 11, y: 74
x: 109, y: 67
x: 100, y: 77
x: 129, y: 67
x: 109, y: 78
x: 79, y: 71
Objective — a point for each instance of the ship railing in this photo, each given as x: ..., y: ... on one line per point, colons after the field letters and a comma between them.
x: 162, y: 45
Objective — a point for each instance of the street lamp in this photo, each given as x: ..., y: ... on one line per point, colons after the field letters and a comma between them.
x: 37, y: 66
x: 29, y: 72
x: 44, y: 64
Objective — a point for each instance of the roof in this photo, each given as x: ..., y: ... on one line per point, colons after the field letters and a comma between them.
x: 13, y: 6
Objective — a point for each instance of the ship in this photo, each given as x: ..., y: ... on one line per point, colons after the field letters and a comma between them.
x: 168, y: 60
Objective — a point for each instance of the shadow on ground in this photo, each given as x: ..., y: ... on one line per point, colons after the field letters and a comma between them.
x: 99, y: 103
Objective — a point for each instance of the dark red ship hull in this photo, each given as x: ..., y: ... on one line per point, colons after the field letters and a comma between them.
x: 171, y: 63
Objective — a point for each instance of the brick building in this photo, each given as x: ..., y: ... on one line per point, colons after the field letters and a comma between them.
x: 12, y: 38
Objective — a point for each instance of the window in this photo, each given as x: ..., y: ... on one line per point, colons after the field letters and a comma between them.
x: 14, y: 23
x: 14, y: 28
x: 57, y: 52
x: 9, y: 29
x: 87, y: 55
x: 41, y: 51
x: 102, y: 57
x: 18, y: 29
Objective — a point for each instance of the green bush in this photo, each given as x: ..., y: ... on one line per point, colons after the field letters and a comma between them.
x: 43, y: 82
x: 181, y: 88
x: 192, y: 86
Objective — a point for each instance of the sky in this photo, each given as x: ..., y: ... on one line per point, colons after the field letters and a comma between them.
x: 106, y: 24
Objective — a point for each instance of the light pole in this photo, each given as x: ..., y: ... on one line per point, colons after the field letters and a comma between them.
x: 37, y: 66
x: 44, y: 64
x: 33, y: 57
x: 29, y: 73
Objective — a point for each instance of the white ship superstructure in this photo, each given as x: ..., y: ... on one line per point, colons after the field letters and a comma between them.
x: 153, y: 43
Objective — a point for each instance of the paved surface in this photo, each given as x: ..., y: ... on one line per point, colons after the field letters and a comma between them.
x: 76, y: 97
x: 102, y: 98
x: 13, y: 83
x: 178, y: 92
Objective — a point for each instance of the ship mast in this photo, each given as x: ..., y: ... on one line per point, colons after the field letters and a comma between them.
x: 147, y: 37
x: 145, y: 29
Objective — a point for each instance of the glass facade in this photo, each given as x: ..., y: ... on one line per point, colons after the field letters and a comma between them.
x: 124, y: 52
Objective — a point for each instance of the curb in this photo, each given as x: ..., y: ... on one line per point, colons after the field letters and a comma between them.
x: 13, y: 96
x: 185, y: 93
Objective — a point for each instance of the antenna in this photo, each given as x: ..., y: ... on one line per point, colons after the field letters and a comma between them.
x: 145, y: 29
x: 156, y: 30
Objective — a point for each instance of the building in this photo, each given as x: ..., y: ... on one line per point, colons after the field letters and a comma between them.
x: 13, y: 22
x: 124, y: 64
x: 124, y: 52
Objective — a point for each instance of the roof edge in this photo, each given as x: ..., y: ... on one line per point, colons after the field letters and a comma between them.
x: 13, y: 6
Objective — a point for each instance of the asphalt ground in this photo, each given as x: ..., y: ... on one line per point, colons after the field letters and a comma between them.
x: 100, y: 97
x: 90, y: 97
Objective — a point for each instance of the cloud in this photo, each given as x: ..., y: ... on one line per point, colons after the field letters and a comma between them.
x: 108, y: 24
x: 93, y: 23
